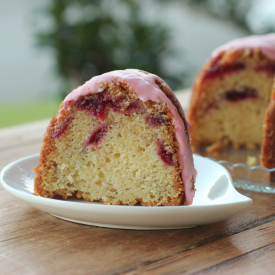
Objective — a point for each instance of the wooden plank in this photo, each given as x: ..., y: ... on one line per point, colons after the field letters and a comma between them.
x: 20, y: 135
x: 260, y: 261
x: 212, y: 254
x: 15, y: 153
x: 27, y: 233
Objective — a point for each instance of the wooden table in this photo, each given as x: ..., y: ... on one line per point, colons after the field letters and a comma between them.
x: 33, y: 242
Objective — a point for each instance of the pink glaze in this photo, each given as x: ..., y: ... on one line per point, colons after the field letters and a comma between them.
x: 266, y: 43
x: 144, y: 85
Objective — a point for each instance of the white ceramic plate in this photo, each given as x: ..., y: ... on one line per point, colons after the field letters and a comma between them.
x: 216, y: 199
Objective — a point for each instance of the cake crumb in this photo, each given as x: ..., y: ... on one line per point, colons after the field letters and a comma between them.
x: 251, y: 161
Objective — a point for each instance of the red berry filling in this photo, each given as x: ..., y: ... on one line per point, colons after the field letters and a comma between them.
x: 97, y: 135
x: 95, y: 104
x: 115, y: 105
x: 234, y: 95
x: 155, y: 120
x: 238, y: 95
x: 221, y: 70
x: 165, y: 155
x: 267, y: 68
x: 61, y: 129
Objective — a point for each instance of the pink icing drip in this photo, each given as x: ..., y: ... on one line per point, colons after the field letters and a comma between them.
x: 266, y: 43
x: 144, y: 85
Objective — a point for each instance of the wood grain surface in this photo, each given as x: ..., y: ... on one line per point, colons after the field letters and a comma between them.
x: 34, y: 242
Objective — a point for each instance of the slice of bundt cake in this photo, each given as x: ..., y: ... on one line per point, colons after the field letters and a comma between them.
x: 231, y: 93
x: 268, y: 145
x: 121, y: 138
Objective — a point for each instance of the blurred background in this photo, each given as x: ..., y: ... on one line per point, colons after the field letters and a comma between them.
x: 50, y: 47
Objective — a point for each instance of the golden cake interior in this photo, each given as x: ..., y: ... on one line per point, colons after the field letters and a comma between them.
x: 220, y: 120
x: 125, y: 167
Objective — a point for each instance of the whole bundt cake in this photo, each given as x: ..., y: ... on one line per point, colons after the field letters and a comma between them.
x: 231, y: 93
